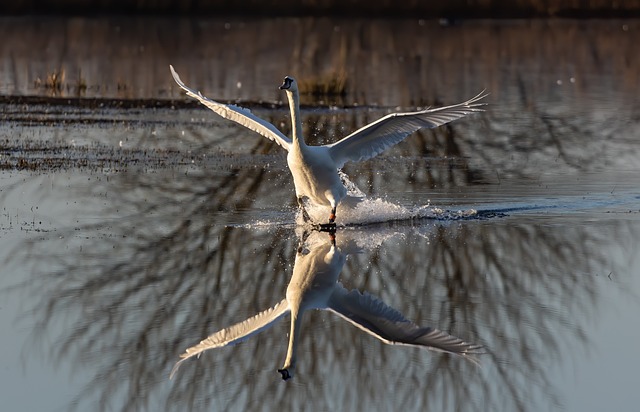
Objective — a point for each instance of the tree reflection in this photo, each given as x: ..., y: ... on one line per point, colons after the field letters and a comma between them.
x: 315, y: 284
x: 170, y: 260
x: 137, y: 292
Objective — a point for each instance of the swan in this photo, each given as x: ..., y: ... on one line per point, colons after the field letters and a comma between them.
x: 315, y: 168
x: 314, y: 285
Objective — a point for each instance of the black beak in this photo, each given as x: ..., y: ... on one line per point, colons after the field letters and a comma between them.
x: 286, y: 84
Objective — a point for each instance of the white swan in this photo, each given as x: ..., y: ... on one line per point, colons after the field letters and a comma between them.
x: 314, y: 285
x: 315, y: 168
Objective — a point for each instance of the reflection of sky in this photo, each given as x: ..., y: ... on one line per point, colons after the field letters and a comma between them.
x: 587, y: 199
x: 581, y: 377
x: 606, y: 378
x: 29, y: 378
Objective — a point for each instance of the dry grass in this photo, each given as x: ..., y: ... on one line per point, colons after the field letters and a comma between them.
x: 54, y: 83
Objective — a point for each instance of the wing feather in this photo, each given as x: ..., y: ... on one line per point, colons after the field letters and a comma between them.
x: 375, y: 317
x: 237, y: 114
x: 374, y: 138
x: 236, y: 333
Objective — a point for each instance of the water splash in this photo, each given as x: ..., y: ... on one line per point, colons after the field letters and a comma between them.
x: 363, y: 211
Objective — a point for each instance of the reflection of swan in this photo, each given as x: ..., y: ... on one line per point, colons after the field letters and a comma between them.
x: 315, y: 168
x: 314, y: 285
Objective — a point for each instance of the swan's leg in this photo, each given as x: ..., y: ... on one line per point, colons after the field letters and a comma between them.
x: 331, y: 226
x: 332, y: 216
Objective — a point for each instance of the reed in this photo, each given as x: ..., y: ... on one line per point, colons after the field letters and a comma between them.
x: 52, y: 81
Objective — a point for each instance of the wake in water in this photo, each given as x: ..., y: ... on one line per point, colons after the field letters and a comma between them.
x: 357, y: 210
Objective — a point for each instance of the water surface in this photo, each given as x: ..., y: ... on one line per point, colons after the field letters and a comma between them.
x: 130, y: 234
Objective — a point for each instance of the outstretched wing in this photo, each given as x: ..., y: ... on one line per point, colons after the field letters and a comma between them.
x: 236, y: 333
x: 237, y: 114
x: 374, y: 138
x: 387, y: 324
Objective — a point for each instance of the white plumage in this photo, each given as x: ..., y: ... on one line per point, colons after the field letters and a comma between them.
x: 315, y: 168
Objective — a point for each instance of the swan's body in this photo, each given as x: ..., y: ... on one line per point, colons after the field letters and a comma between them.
x: 315, y: 168
x: 314, y: 285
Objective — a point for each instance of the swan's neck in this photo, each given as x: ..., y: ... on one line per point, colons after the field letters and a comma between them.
x: 294, y: 338
x: 296, y: 121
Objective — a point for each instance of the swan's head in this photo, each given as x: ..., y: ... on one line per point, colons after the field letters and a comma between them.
x: 287, y: 373
x: 289, y: 84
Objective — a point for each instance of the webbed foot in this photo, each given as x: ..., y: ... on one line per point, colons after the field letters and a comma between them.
x: 327, y: 227
x: 332, y: 216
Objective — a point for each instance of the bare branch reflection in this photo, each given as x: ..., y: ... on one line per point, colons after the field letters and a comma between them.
x: 315, y: 284
x: 140, y: 289
x: 171, y: 258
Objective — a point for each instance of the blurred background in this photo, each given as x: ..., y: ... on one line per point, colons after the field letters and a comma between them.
x: 350, y: 8
x: 340, y: 50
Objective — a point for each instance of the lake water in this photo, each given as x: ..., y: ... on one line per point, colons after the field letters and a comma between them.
x: 131, y: 231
